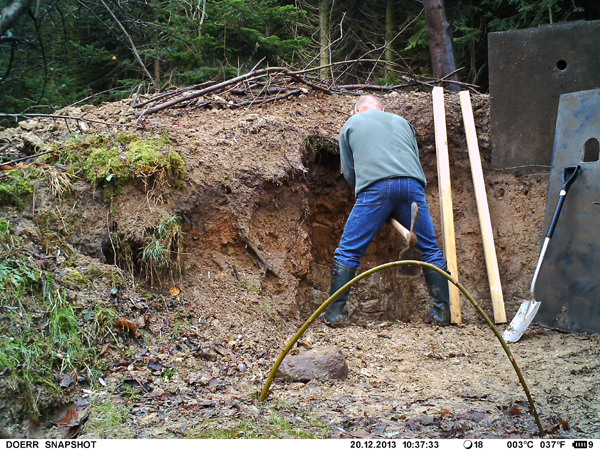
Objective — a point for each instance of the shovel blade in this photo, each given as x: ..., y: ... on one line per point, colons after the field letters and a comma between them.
x: 521, y: 321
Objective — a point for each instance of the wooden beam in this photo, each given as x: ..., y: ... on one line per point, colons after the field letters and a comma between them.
x: 483, y: 210
x: 443, y: 168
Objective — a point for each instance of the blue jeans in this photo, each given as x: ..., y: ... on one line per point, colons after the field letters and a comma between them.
x: 384, y: 199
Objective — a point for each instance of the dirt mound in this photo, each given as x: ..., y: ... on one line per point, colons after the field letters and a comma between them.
x: 261, y: 214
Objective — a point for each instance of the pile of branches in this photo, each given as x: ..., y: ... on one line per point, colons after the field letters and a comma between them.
x: 256, y: 87
x: 270, y: 84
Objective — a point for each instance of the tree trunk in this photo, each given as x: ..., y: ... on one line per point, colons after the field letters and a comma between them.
x: 390, y: 24
x: 11, y: 13
x: 440, y: 42
x: 324, y: 55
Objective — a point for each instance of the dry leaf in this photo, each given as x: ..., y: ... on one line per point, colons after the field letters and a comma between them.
x: 129, y: 325
x: 31, y: 429
x: 361, y: 434
x: 105, y: 348
x: 69, y: 421
x: 514, y: 411
x: 68, y: 417
x: 156, y: 393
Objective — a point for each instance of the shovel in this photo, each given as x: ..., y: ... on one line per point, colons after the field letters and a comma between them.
x: 411, y: 252
x: 529, y: 308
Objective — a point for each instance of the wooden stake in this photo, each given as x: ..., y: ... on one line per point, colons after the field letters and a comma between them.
x: 485, y: 221
x: 443, y: 167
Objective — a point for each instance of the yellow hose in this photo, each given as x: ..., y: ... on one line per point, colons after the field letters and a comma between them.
x: 331, y: 299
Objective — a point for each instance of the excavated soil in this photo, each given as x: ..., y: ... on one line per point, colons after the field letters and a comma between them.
x: 264, y: 207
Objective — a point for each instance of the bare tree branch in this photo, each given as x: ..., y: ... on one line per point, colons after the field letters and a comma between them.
x: 78, y: 119
x: 133, y: 47
x: 216, y: 87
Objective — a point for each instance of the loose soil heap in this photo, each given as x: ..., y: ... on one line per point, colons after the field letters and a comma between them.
x: 262, y: 211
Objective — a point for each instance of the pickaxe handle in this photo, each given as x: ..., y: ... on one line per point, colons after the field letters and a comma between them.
x: 401, y: 229
x: 408, y: 235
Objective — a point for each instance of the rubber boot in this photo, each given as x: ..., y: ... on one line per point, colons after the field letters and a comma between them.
x: 340, y: 275
x: 440, y: 294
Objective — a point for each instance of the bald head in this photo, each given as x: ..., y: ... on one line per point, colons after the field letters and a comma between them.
x: 367, y: 102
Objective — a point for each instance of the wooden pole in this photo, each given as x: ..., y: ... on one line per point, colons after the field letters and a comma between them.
x: 443, y: 168
x: 485, y: 221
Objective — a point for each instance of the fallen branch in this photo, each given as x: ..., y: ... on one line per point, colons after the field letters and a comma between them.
x: 26, y: 158
x: 233, y: 86
x: 308, y: 83
x: 371, y: 87
x: 79, y: 119
x: 173, y: 93
x: 211, y: 89
x: 266, y: 100
x: 264, y: 91
x: 121, y: 88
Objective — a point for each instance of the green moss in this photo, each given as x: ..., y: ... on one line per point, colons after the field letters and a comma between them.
x: 108, y: 419
x: 321, y: 144
x: 16, y: 186
x: 177, y: 167
x: 107, y: 164
x: 114, y: 278
x: 113, y: 162
x: 279, y: 424
x: 74, y: 279
x: 125, y: 139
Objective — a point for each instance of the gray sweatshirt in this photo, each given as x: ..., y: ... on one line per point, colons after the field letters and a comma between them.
x: 375, y: 145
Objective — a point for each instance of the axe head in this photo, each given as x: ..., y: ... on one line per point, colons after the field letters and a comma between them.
x: 412, y: 253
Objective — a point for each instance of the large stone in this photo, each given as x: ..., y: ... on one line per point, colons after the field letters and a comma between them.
x: 318, y: 364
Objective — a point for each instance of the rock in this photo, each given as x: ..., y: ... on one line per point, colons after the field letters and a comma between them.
x: 318, y: 364
x: 31, y: 143
x: 28, y: 125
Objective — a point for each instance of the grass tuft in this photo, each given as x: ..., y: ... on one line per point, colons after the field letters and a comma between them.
x: 43, y: 337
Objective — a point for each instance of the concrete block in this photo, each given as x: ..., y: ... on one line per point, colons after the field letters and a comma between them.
x: 529, y: 69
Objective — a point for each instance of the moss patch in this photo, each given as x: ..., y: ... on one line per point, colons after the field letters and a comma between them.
x: 113, y: 277
x: 112, y: 162
x: 15, y: 187
x: 74, y: 279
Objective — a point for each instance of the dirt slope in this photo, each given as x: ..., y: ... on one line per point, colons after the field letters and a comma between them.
x: 263, y: 187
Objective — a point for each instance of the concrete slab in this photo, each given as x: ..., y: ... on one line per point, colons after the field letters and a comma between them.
x: 568, y: 286
x: 529, y: 70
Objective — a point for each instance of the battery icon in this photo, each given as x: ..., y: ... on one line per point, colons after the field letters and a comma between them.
x: 580, y: 444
